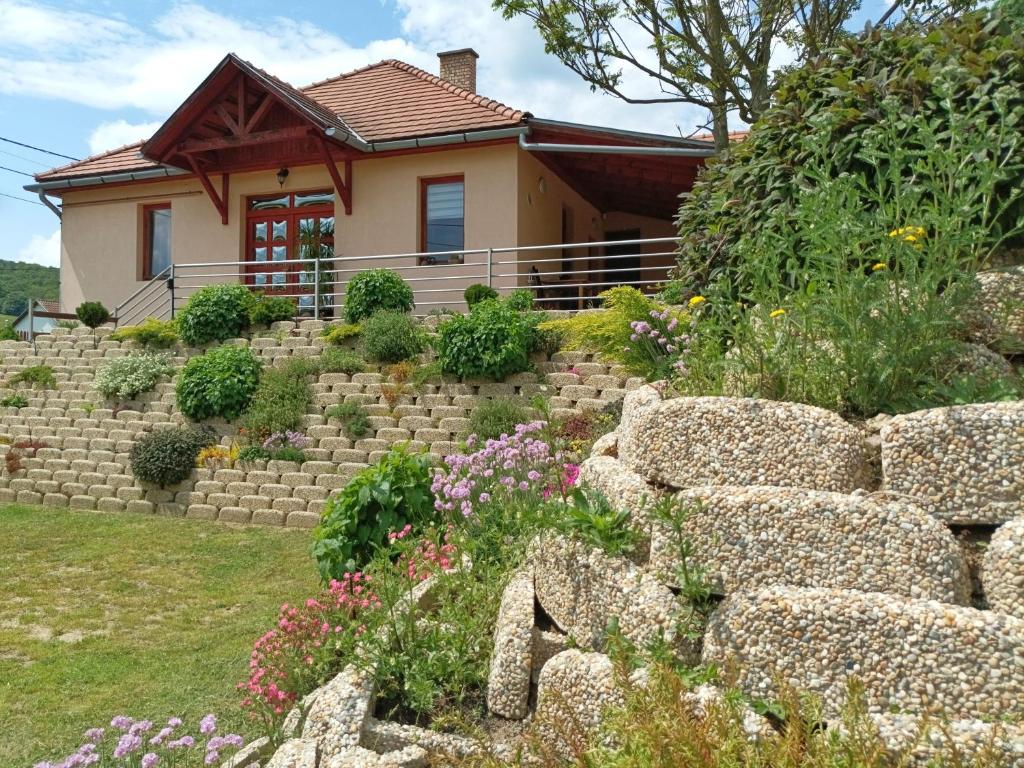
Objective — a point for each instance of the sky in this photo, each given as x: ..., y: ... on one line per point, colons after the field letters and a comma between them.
x: 78, y: 78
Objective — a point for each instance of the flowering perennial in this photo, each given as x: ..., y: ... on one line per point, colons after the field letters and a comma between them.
x: 428, y: 557
x: 288, y: 439
x: 130, y: 742
x: 664, y: 340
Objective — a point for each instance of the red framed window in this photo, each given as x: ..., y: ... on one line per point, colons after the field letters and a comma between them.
x: 442, y: 219
x: 156, y: 239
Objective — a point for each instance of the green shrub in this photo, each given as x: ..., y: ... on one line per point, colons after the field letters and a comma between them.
x: 168, y: 456
x: 376, y: 290
x: 478, y: 292
x: 492, y: 418
x: 125, y: 377
x: 92, y: 313
x: 215, y: 313
x: 38, y: 376
x: 592, y: 519
x: 521, y: 300
x: 951, y: 96
x: 333, y: 360
x: 272, y: 309
x: 7, y: 332
x: 353, y: 417
x: 281, y: 400
x: 220, y: 382
x: 150, y: 333
x: 339, y: 334
x: 382, y: 498
x: 491, y: 341
x: 390, y: 337
x: 14, y: 401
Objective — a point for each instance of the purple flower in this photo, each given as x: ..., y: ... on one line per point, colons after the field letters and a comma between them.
x: 163, y: 734
x: 95, y: 735
x: 186, y: 742
x: 149, y: 760
x: 127, y: 744
x: 211, y: 758
x: 208, y: 725
x: 122, y: 722
x: 233, y: 740
x: 141, y: 726
x: 174, y: 722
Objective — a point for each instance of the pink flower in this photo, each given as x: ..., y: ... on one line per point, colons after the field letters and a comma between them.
x: 149, y: 760
x: 208, y: 725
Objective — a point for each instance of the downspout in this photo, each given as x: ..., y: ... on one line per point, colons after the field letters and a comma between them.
x: 608, y: 149
x: 49, y: 204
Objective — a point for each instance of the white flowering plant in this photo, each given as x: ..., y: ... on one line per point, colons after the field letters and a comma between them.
x: 123, y: 378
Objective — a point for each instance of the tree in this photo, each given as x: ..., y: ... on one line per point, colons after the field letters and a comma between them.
x: 716, y: 54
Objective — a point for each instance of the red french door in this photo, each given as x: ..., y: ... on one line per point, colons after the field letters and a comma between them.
x: 283, y: 232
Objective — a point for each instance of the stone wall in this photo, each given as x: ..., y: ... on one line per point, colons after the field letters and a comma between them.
x: 84, y: 463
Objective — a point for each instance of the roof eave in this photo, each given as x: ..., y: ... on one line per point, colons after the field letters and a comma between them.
x: 641, y: 136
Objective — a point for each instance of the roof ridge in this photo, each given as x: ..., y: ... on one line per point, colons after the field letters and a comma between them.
x: 91, y: 158
x: 475, y: 98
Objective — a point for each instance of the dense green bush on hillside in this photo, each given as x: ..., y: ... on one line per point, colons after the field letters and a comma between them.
x: 168, y: 456
x: 215, y: 313
x: 20, y: 281
x: 376, y: 290
x: 218, y: 383
x: 956, y: 90
x: 492, y: 341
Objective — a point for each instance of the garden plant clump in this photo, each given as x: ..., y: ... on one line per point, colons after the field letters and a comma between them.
x: 391, y: 337
x: 150, y: 333
x: 220, y: 382
x: 376, y: 290
x: 125, y: 377
x: 168, y: 456
x: 215, y: 313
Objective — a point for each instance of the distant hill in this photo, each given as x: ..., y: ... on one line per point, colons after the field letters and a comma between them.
x: 20, y: 281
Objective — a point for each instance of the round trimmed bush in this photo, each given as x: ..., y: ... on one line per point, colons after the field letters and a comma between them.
x: 493, y: 341
x: 215, y: 313
x: 521, y: 300
x: 390, y: 337
x: 478, y: 292
x: 218, y: 383
x: 168, y: 456
x: 92, y: 313
x: 272, y: 309
x: 375, y: 290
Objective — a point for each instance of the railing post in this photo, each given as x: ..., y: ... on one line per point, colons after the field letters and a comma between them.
x: 490, y: 258
x: 316, y: 288
x: 170, y: 288
x: 31, y: 320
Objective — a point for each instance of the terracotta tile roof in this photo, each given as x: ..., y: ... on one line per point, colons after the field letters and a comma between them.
x: 395, y: 100
x: 120, y: 160
x: 733, y: 136
x: 49, y: 306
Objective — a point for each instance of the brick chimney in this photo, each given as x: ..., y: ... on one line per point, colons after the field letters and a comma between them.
x: 459, y: 67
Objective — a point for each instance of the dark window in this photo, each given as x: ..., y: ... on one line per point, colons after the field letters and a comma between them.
x: 443, y: 218
x: 156, y: 243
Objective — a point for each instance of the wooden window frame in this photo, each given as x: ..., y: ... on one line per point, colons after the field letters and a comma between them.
x: 424, y: 184
x: 146, y: 252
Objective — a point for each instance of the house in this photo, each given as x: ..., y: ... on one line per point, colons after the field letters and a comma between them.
x: 43, y: 318
x: 293, y: 190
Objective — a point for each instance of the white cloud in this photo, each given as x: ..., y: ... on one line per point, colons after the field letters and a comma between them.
x: 118, y: 133
x: 42, y: 249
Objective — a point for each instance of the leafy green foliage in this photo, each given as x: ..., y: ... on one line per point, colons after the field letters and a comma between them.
x: 952, y: 98
x: 7, y: 332
x: 353, y: 417
x: 339, y: 334
x: 592, y: 519
x: 493, y: 341
x: 125, y: 377
x: 384, y: 497
x: 333, y: 360
x: 92, y: 314
x: 150, y: 333
x: 272, y: 309
x: 38, y: 376
x: 20, y: 281
x: 521, y: 300
x: 281, y: 400
x: 14, y: 401
x: 168, y: 456
x: 215, y: 313
x: 218, y: 383
x: 493, y: 418
x: 376, y: 290
x: 478, y: 292
x: 390, y: 337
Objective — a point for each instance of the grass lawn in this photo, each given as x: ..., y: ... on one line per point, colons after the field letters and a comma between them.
x: 103, y: 614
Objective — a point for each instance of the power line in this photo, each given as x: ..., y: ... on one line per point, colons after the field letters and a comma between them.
x: 22, y: 157
x: 38, y: 149
x: 14, y: 170
x: 22, y: 199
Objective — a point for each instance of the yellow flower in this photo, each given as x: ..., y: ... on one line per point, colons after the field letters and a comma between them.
x: 697, y: 301
x: 776, y: 313
x: 879, y: 266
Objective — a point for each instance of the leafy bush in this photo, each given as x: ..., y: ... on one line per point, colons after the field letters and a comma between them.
x: 478, y: 292
x: 215, y: 313
x: 390, y: 337
x: 39, y: 376
x: 952, y: 93
x: 493, y: 418
x: 150, y: 333
x: 341, y: 361
x: 125, y: 377
x: 376, y: 290
x: 281, y: 399
x: 220, y: 382
x: 493, y: 340
x: 14, y: 401
x: 168, y: 456
x: 592, y: 520
x: 339, y: 334
x: 353, y: 417
x: 384, y: 497
x: 521, y: 300
x: 272, y: 309
x: 92, y: 313
x: 7, y: 332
